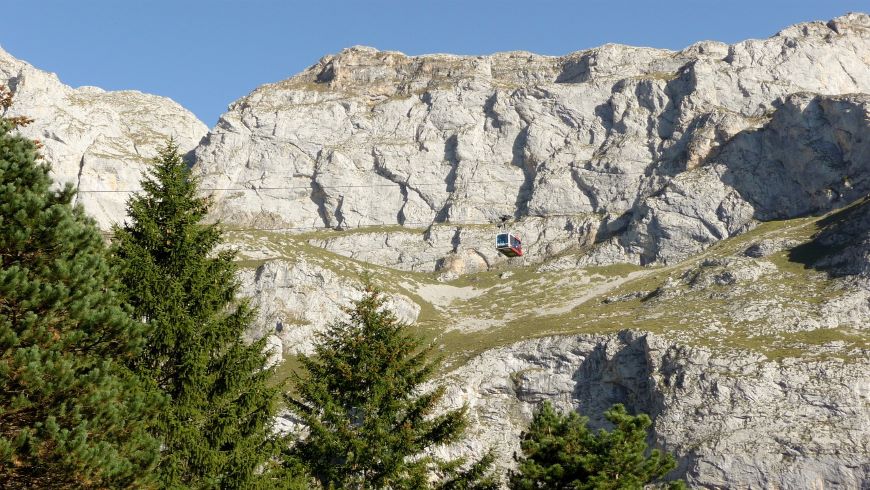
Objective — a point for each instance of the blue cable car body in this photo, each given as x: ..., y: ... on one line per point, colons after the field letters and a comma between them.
x: 509, y: 244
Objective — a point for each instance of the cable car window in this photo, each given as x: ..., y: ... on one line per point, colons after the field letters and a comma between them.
x: 514, y: 242
x: 501, y: 240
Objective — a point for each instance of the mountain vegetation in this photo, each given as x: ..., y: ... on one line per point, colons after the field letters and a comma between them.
x: 72, y: 415
x: 216, y: 431
x: 559, y: 451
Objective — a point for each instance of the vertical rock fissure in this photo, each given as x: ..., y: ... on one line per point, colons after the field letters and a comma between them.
x: 452, y: 158
x: 400, y: 216
x: 318, y: 197
x: 79, y: 178
x: 586, y: 189
x: 340, y: 221
x: 526, y: 190
x: 404, y: 187
x: 489, y: 111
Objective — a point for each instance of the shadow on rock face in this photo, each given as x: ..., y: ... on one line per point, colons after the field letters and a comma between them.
x: 811, y: 157
x: 622, y: 371
x: 842, y: 246
x: 616, y: 372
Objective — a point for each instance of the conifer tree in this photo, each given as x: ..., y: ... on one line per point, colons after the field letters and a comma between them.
x: 368, y: 423
x: 71, y: 414
x: 560, y: 452
x: 217, y: 428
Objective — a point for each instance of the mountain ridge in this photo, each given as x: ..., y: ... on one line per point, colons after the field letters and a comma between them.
x: 446, y: 142
x: 99, y: 141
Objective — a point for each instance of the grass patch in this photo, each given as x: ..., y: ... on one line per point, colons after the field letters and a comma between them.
x: 361, y: 230
x: 507, y: 310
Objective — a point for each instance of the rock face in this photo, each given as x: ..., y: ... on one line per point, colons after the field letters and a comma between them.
x: 296, y: 300
x: 656, y: 153
x: 733, y: 421
x: 96, y: 140
x: 842, y: 247
x: 810, y: 157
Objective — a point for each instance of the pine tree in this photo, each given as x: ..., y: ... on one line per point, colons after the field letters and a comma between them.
x: 560, y: 452
x: 217, y: 428
x: 71, y: 414
x: 368, y: 423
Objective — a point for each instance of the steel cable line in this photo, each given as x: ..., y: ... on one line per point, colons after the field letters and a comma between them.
x: 398, y: 225
x: 348, y: 186
x: 406, y: 224
x: 566, y: 213
x: 294, y: 187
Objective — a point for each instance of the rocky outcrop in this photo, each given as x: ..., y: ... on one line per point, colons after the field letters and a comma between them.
x: 294, y: 301
x: 96, y: 140
x: 659, y: 153
x: 842, y: 246
x: 812, y: 156
x: 733, y: 420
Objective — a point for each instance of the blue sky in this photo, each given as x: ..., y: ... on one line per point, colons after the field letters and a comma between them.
x: 205, y: 54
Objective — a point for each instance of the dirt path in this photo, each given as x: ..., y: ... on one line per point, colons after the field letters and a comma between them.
x: 593, y: 292
x: 444, y: 294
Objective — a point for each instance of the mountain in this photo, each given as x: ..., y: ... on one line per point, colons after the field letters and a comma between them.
x: 96, y: 140
x: 696, y: 225
x: 651, y: 154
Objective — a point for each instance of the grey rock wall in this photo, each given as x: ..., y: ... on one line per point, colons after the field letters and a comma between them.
x: 663, y: 151
x: 96, y: 140
x: 733, y: 420
x: 811, y: 157
x: 303, y: 298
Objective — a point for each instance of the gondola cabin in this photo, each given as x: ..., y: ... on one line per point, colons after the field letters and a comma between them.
x: 509, y: 244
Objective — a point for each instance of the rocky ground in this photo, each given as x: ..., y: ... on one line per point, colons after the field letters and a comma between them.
x: 695, y: 225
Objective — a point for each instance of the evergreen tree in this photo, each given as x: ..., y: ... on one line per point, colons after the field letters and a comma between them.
x: 369, y: 425
x: 560, y: 452
x: 71, y: 414
x: 217, y: 428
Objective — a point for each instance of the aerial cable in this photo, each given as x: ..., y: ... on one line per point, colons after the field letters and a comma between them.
x: 346, y: 186
x: 386, y: 184
x: 341, y: 228
x: 309, y: 187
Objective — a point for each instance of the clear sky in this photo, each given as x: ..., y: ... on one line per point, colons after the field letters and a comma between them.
x: 205, y: 54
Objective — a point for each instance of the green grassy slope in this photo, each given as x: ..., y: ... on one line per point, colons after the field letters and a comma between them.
x: 778, y: 312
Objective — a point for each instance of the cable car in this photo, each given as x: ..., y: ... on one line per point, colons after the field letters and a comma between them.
x: 509, y: 244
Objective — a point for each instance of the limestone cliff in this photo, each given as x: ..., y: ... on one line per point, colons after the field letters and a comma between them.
x: 652, y: 154
x: 96, y: 140
x: 735, y: 421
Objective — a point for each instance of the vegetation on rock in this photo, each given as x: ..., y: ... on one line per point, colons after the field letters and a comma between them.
x: 559, y: 451
x: 370, y: 421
